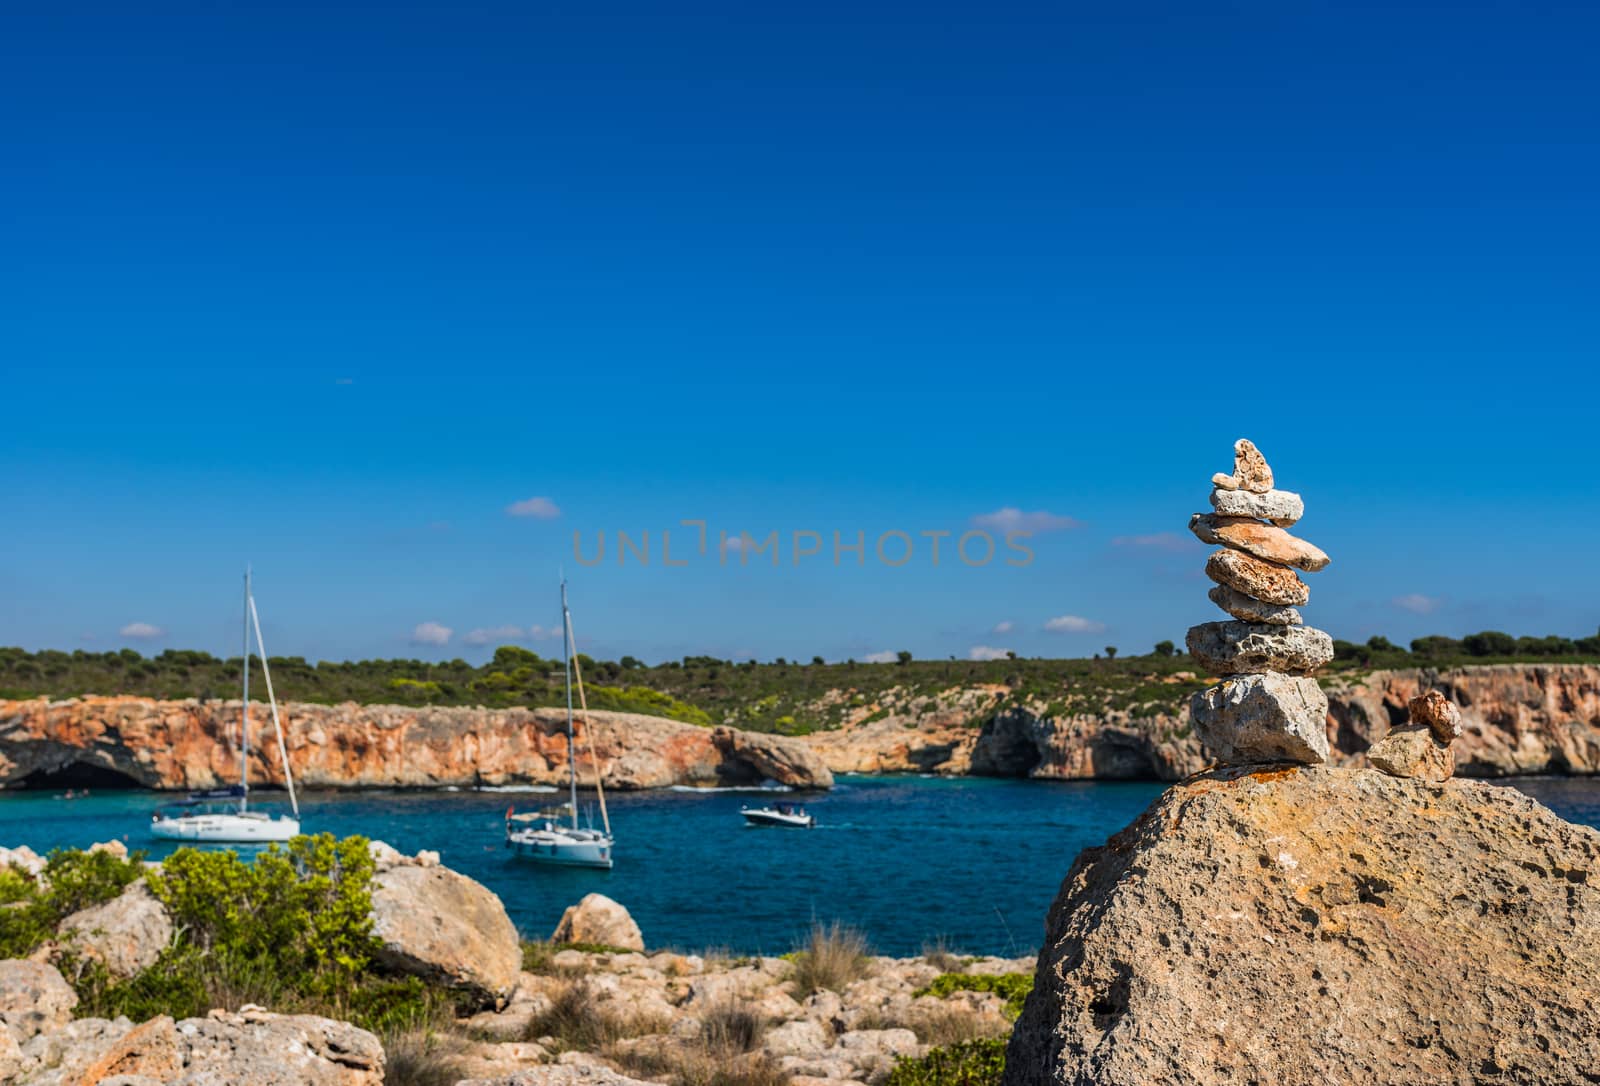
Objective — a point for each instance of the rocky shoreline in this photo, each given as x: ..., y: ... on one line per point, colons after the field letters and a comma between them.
x: 1530, y: 719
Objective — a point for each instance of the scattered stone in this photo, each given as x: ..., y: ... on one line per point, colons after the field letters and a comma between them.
x: 1410, y: 750
x: 1250, y: 470
x: 1263, y: 718
x: 24, y: 859
x: 803, y: 1037
x: 1322, y: 925
x: 442, y: 926
x: 1265, y: 581
x: 1237, y: 648
x: 1245, y: 609
x: 560, y: 1074
x: 126, y: 934
x: 1439, y: 713
x: 33, y: 999
x: 598, y: 919
x: 1263, y: 541
x: 1281, y: 507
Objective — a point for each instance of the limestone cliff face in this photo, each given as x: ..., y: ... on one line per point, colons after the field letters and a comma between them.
x: 1519, y: 720
x: 190, y: 744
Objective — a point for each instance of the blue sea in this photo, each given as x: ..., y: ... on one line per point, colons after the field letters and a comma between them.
x: 909, y: 861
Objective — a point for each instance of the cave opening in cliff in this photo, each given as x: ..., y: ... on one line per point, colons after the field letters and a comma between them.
x: 77, y: 775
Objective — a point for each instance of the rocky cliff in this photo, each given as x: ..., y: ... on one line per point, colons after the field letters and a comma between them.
x: 1316, y: 925
x: 194, y: 744
x: 1519, y: 719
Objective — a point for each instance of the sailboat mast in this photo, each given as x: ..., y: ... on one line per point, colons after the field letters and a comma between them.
x: 244, y: 714
x: 566, y: 659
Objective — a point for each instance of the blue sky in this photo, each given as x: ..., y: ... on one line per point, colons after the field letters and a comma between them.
x: 330, y: 289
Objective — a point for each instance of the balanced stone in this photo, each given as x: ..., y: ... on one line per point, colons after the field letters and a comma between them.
x: 1250, y: 470
x: 1265, y: 581
x: 1439, y: 713
x: 1245, y: 609
x: 1263, y: 718
x: 1410, y: 750
x: 1282, y: 507
x: 1260, y: 540
x: 1236, y: 648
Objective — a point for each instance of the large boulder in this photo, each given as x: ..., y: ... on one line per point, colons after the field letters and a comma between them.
x: 33, y: 998
x: 1313, y: 925
x: 250, y: 1048
x: 127, y: 934
x: 597, y: 919
x: 757, y: 756
x: 442, y: 926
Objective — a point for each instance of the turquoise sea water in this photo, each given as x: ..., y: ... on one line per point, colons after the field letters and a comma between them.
x: 907, y: 860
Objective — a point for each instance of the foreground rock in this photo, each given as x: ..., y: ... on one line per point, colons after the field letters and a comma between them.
x: 1319, y: 925
x: 1264, y: 541
x: 444, y: 927
x: 126, y: 934
x: 598, y: 920
x: 33, y: 998
x: 1281, y: 507
x: 1421, y: 747
x: 250, y: 1048
x: 1238, y: 648
x: 1245, y: 609
x: 1264, y: 581
x: 190, y: 744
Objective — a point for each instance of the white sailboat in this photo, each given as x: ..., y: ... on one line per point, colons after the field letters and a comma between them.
x: 224, y: 814
x: 553, y: 836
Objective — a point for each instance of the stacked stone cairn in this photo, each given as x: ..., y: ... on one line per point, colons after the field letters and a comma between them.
x: 1421, y: 747
x: 1267, y: 708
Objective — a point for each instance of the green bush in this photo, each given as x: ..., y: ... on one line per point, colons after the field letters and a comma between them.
x: 72, y: 880
x: 1012, y: 987
x: 970, y: 1063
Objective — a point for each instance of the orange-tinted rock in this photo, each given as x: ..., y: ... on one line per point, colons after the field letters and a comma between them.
x: 1258, y: 540
x: 1250, y: 470
x: 1438, y: 713
x: 1265, y: 581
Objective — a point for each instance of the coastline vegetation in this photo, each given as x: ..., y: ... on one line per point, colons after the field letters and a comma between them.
x: 781, y: 696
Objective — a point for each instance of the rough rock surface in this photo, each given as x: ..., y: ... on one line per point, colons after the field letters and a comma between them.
x: 1410, y: 750
x: 1439, y: 713
x: 1250, y: 470
x: 1263, y: 718
x: 192, y: 744
x: 559, y: 1075
x: 1264, y: 581
x: 1245, y: 609
x: 127, y: 933
x: 598, y: 919
x: 249, y: 1048
x: 1259, y: 540
x: 1281, y: 507
x: 33, y: 998
x: 1322, y: 925
x: 440, y: 925
x: 1235, y: 648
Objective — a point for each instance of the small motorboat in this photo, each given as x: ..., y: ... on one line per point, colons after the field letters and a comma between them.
x: 779, y: 814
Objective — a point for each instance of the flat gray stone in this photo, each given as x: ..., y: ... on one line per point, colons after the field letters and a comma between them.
x: 1255, y: 719
x: 1240, y: 648
x: 1246, y: 609
x: 1281, y: 507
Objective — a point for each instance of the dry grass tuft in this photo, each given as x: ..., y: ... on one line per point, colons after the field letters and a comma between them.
x: 948, y: 1025
x: 832, y: 957
x: 423, y: 1057
x: 939, y: 955
x: 580, y: 1022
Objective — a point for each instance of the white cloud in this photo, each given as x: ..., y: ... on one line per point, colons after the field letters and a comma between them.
x: 142, y: 631
x: 881, y: 657
x: 1417, y: 603
x: 986, y: 652
x: 1160, y: 541
x: 1074, y: 624
x: 1012, y: 519
x: 539, y: 508
x: 431, y: 633
x: 1003, y: 627
x: 493, y: 635
x: 733, y: 543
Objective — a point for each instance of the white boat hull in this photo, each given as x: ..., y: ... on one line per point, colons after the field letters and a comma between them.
x: 232, y: 828
x: 777, y: 818
x: 561, y: 849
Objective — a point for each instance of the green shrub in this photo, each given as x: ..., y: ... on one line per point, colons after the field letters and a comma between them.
x: 970, y: 1063
x: 1012, y: 987
x: 72, y: 880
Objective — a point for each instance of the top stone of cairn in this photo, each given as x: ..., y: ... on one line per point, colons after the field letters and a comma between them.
x: 1250, y: 470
